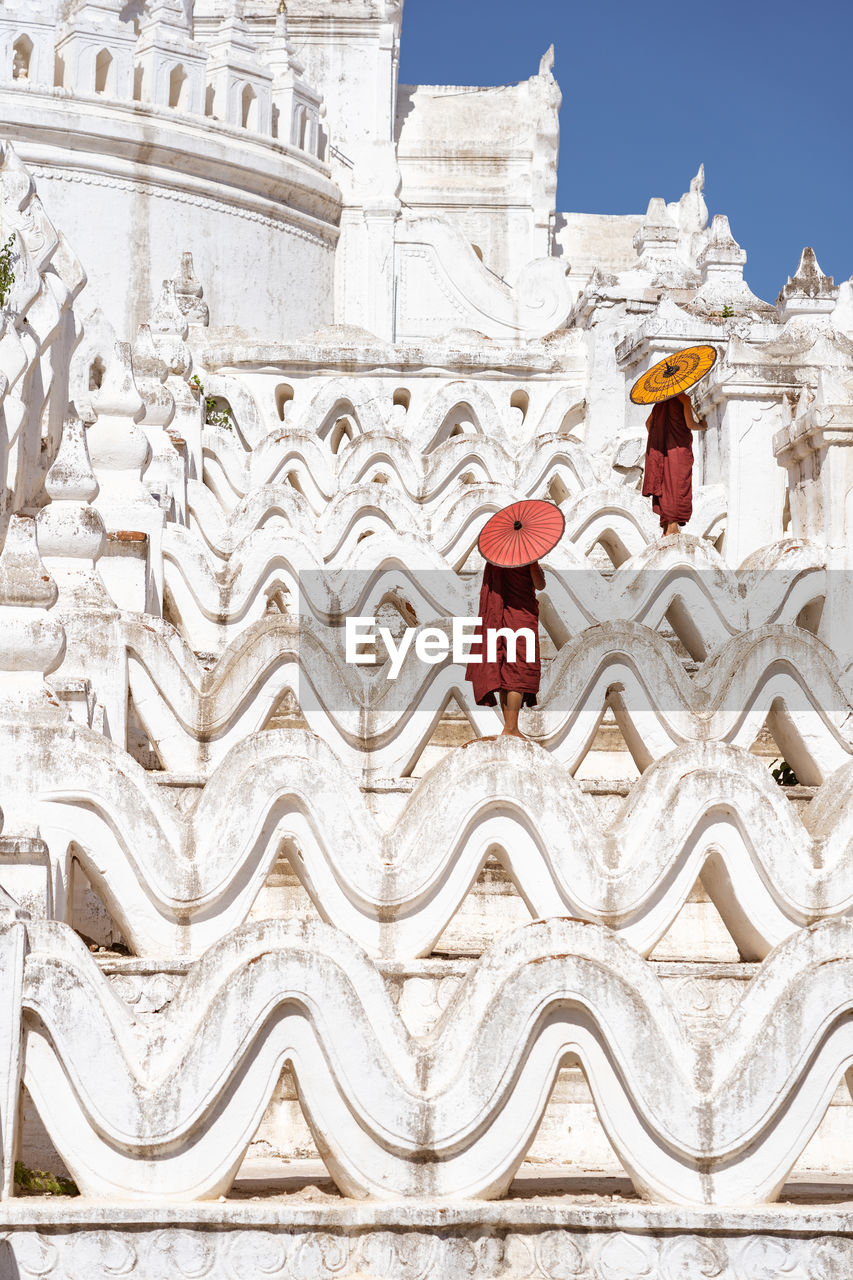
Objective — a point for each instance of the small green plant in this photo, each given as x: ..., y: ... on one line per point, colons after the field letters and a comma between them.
x: 727, y: 311
x: 213, y: 416
x: 38, y: 1180
x: 7, y: 271
x: 784, y: 774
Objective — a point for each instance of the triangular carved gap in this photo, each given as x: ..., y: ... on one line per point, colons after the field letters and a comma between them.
x: 612, y: 758
x: 778, y: 744
x: 809, y: 617
x: 491, y: 908
x: 587, y: 1163
x: 614, y: 548
x: 452, y: 730
x: 282, y: 1157
x: 679, y: 649
x: 35, y: 1148
x: 292, y: 478
x: 286, y: 714
x: 220, y: 413
x: 278, y: 599
x: 88, y: 914
x: 396, y: 612
x: 811, y: 1175
x: 680, y: 621
x: 698, y: 932
x: 282, y: 895
x: 765, y: 745
x: 460, y: 420
x: 171, y: 613
x: 600, y: 559
x: 558, y: 491
x: 139, y: 745
x: 342, y: 432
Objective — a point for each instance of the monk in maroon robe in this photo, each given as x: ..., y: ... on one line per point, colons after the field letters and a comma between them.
x: 668, y: 476
x: 507, y: 600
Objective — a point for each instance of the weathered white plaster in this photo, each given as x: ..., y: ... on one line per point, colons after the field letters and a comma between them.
x: 330, y: 327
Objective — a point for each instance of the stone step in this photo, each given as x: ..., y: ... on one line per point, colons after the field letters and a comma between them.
x: 548, y: 1228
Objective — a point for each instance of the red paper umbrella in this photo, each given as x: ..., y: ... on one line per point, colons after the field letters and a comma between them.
x: 522, y: 533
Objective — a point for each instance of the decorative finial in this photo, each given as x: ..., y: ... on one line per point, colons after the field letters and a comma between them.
x: 808, y: 291
x: 117, y: 447
x: 167, y: 316
x: 117, y: 396
x: 71, y: 533
x: 189, y: 293
x: 32, y: 640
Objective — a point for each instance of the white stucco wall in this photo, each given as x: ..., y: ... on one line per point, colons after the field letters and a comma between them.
x: 135, y: 187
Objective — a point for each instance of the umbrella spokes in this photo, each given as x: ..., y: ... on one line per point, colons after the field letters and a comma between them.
x: 521, y: 533
x: 675, y: 373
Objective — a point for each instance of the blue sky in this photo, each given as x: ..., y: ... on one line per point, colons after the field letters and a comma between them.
x: 757, y: 89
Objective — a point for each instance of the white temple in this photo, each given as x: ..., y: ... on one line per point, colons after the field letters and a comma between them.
x: 305, y: 974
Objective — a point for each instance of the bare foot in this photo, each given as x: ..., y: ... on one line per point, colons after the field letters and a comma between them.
x: 670, y: 529
x: 514, y: 733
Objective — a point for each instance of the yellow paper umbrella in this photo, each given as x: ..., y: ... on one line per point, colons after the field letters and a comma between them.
x: 673, y: 374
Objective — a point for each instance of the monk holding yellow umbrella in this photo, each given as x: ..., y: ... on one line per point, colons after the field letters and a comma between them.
x: 668, y: 475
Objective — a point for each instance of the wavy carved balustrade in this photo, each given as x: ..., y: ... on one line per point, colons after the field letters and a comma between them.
x: 325, y: 451
x: 335, y: 409
x: 219, y: 571
x: 167, y: 1113
x: 195, y: 712
x: 711, y: 602
x: 176, y: 881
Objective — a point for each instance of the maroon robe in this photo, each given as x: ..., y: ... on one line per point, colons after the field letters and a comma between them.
x: 507, y: 599
x: 668, y: 477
